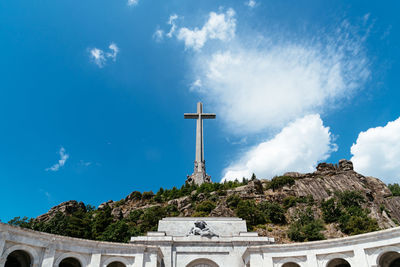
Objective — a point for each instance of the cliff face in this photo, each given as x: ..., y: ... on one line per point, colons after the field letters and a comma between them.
x: 67, y: 208
x: 329, y: 178
x: 321, y: 185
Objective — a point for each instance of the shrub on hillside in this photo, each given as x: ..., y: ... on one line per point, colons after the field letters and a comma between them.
x: 147, y: 195
x: 273, y: 212
x: 249, y: 211
x: 305, y: 227
x: 395, y: 189
x: 346, y: 209
x: 280, y: 181
x: 232, y: 201
x: 330, y: 211
x: 206, y: 206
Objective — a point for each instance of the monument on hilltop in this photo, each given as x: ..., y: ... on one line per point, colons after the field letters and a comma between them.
x: 199, y: 175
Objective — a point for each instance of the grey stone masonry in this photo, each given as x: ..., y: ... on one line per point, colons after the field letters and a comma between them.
x: 199, y: 175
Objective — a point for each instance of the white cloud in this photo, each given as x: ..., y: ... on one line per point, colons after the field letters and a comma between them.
x: 171, y: 22
x: 258, y: 87
x: 114, y: 51
x: 61, y: 162
x: 100, y: 57
x: 377, y: 152
x: 85, y: 163
x: 262, y: 81
x: 251, y: 3
x: 158, y: 35
x: 133, y: 2
x: 220, y: 26
x: 196, y: 85
x: 298, y: 147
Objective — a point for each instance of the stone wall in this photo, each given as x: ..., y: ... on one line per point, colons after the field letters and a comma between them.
x: 47, y: 250
x: 366, y: 250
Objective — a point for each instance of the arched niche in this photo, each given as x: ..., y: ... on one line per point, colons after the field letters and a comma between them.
x: 18, y: 258
x: 33, y: 255
x: 338, y: 262
x: 290, y: 264
x: 75, y: 257
x: 389, y: 259
x: 70, y: 262
x: 202, y: 263
x: 116, y: 264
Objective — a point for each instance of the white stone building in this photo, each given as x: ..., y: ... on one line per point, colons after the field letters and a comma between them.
x: 222, y: 242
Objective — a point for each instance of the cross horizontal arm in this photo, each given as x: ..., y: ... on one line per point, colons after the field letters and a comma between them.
x: 196, y: 115
x: 208, y: 116
x: 191, y: 116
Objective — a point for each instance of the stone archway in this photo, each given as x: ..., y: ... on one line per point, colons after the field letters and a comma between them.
x: 70, y: 262
x: 116, y: 264
x: 338, y: 262
x: 202, y: 263
x: 18, y: 258
x: 389, y: 259
x: 290, y: 264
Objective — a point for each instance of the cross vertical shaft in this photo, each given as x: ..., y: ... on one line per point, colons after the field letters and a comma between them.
x: 199, y: 175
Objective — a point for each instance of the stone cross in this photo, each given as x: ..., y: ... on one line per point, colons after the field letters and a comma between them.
x: 199, y: 175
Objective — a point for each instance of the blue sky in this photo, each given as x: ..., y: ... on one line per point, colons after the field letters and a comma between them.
x: 93, y: 93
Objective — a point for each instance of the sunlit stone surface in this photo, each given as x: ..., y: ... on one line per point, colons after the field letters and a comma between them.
x: 173, y: 246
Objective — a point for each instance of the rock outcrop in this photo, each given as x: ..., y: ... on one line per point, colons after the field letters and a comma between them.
x: 320, y: 184
x: 66, y: 208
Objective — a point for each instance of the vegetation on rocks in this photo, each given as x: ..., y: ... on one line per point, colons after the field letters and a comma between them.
x: 395, y: 189
x: 334, y: 201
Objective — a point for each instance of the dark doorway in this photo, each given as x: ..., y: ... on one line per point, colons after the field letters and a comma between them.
x: 339, y: 263
x: 18, y: 258
x: 116, y: 264
x: 70, y: 262
x: 390, y: 259
x: 290, y: 264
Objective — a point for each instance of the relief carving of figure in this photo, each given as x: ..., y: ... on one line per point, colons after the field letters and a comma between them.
x: 201, y: 228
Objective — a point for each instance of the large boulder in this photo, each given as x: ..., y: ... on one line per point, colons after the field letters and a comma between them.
x: 66, y: 208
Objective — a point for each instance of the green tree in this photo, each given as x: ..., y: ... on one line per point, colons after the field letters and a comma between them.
x: 280, y: 181
x: 102, y: 219
x: 273, y: 212
x: 116, y: 232
x: 395, y: 189
x: 249, y: 211
x: 205, y: 206
x: 330, y: 211
x: 232, y: 201
x: 305, y: 227
x: 25, y: 222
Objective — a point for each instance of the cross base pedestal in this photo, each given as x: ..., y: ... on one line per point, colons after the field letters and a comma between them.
x: 198, y: 178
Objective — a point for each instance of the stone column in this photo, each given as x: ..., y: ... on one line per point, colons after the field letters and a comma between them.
x: 167, y: 253
x: 139, y: 260
x: 152, y: 260
x: 95, y: 260
x: 48, y: 257
x: 257, y: 260
x: 312, y: 260
x: 359, y: 256
x: 267, y: 262
x: 3, y: 238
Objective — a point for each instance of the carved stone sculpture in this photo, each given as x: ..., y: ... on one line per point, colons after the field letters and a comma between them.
x: 201, y: 228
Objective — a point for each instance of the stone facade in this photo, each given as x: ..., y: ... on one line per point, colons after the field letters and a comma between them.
x: 173, y: 246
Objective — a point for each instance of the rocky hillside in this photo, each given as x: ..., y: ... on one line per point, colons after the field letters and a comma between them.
x: 333, y: 201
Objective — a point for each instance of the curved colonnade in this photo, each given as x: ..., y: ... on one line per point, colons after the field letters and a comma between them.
x: 26, y: 248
